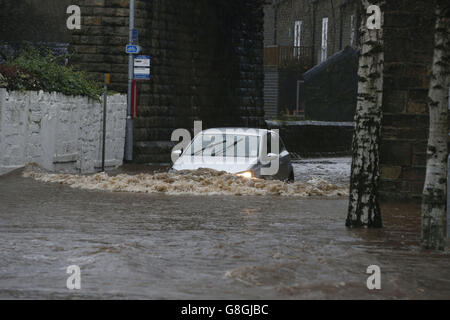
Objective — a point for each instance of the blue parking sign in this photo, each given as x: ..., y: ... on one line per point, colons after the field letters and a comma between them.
x: 135, y: 36
x: 133, y: 49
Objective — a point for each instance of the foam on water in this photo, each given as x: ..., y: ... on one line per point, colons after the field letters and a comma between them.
x: 198, y: 182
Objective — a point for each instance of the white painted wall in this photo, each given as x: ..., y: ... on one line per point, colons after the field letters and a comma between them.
x: 60, y: 133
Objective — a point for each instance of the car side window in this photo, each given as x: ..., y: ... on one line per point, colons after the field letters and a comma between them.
x: 269, y: 142
x: 252, y: 146
x: 282, y: 148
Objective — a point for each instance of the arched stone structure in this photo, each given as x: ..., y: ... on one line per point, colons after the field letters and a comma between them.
x: 206, y: 63
x: 206, y: 58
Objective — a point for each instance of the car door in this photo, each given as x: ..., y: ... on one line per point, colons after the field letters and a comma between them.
x: 283, y: 156
x: 285, y: 160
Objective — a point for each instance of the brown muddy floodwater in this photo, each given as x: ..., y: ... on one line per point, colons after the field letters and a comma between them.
x: 165, y: 246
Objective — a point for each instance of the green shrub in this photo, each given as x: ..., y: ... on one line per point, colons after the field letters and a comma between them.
x: 14, y: 78
x: 31, y: 70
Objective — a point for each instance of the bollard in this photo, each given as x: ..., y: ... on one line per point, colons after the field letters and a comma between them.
x: 129, y: 124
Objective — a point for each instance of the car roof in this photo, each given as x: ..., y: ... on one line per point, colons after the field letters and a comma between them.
x: 240, y: 130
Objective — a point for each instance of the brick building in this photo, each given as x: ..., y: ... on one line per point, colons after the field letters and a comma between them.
x: 408, y: 45
x: 320, y: 27
x: 300, y: 34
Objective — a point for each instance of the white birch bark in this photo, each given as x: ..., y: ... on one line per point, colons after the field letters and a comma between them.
x: 364, y: 210
x: 434, y: 193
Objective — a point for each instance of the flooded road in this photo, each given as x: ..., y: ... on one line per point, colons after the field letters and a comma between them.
x: 201, y: 182
x: 159, y: 246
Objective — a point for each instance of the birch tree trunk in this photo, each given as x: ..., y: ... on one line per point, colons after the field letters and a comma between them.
x: 364, y: 209
x: 434, y: 193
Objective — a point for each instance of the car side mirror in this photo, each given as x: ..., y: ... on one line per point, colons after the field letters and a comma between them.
x: 177, y: 153
x: 272, y: 156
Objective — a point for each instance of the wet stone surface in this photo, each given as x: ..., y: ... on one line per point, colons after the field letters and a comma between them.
x: 333, y: 170
x: 132, y: 245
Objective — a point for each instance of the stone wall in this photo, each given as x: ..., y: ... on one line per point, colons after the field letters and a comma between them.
x: 315, y: 138
x: 38, y: 23
x: 60, y: 133
x: 206, y: 63
x: 34, y: 20
x: 409, y: 36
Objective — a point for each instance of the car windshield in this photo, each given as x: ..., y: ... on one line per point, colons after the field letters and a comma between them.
x: 224, y: 145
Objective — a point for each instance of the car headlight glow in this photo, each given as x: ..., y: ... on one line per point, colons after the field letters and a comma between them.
x: 245, y: 174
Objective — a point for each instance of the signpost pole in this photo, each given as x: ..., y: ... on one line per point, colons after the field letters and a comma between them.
x: 448, y: 197
x: 129, y: 124
x: 448, y: 181
x: 105, y: 97
x: 134, y: 99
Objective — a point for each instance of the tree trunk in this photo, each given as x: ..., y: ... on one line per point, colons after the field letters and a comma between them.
x: 434, y: 192
x: 364, y: 209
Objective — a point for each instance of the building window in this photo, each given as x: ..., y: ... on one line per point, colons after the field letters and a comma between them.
x: 352, y: 30
x: 324, y: 47
x: 297, y: 37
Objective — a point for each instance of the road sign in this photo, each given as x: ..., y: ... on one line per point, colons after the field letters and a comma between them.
x: 142, y: 73
x: 142, y: 67
x: 133, y: 49
x: 135, y: 36
x: 142, y: 61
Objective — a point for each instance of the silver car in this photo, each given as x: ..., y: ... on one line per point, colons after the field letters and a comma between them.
x: 246, y: 152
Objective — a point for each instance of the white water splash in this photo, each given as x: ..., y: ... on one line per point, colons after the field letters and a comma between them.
x: 198, y: 182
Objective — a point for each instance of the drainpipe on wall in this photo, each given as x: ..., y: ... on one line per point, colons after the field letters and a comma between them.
x: 341, y: 26
x: 313, y: 47
x: 275, y: 23
x: 299, y: 85
x: 129, y: 124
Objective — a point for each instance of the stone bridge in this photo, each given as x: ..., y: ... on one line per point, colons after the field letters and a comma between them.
x: 206, y: 58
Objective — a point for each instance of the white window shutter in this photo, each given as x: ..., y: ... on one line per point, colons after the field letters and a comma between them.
x: 298, y: 33
x: 352, y: 30
x: 324, y: 53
